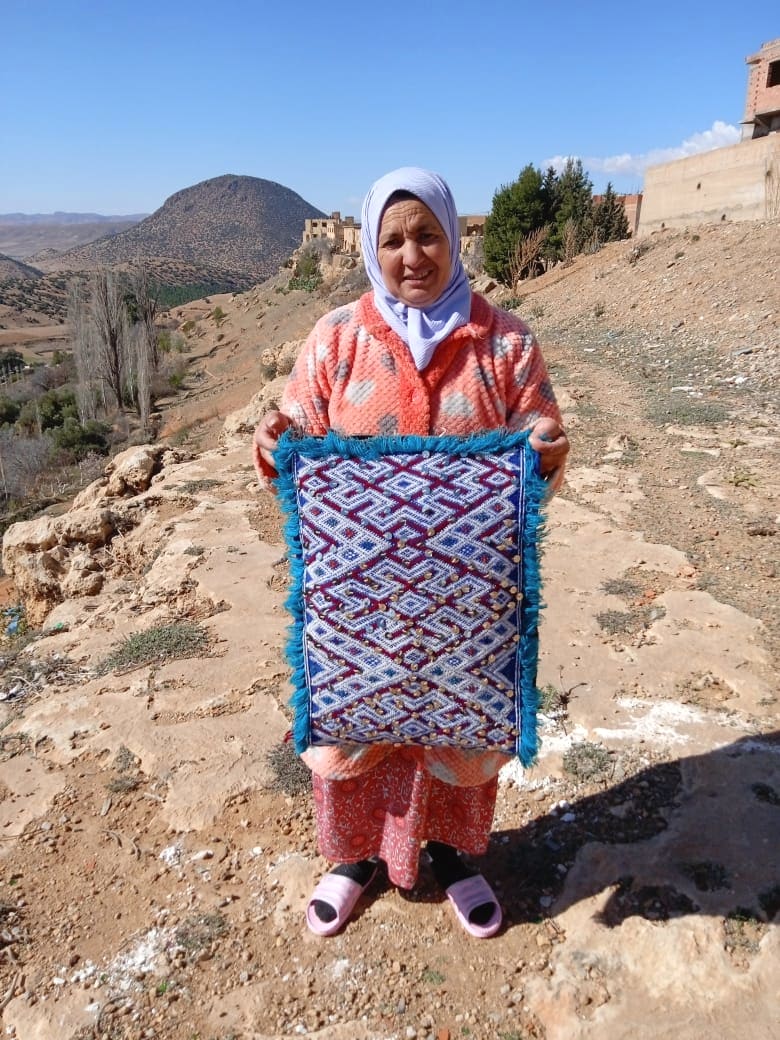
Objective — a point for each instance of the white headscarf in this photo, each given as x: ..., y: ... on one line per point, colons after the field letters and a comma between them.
x: 422, y: 329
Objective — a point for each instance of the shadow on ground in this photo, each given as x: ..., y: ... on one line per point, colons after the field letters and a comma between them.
x: 697, y: 835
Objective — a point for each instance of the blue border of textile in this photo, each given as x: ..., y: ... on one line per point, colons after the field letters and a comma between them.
x: 292, y: 444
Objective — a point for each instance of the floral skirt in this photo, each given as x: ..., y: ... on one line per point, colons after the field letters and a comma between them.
x: 393, y: 808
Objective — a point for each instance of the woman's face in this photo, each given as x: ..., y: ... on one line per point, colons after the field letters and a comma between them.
x: 413, y: 253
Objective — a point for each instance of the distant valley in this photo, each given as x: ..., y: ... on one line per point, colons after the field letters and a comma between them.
x: 27, y: 236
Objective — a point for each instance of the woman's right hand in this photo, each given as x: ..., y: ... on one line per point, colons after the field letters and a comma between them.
x: 266, y: 436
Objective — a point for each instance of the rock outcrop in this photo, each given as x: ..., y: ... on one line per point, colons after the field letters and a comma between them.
x: 53, y: 558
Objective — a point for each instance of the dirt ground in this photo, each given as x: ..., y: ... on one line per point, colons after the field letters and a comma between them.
x: 116, y: 924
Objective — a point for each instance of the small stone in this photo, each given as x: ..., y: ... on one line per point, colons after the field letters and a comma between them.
x: 203, y: 854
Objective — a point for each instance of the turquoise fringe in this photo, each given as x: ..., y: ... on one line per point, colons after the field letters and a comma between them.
x: 292, y: 444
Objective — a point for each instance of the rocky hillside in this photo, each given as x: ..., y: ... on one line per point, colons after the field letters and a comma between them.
x: 158, y: 844
x: 697, y: 307
x: 236, y: 229
x: 11, y: 269
x: 28, y: 297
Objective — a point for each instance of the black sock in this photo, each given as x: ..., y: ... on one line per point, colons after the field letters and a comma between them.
x: 360, y: 872
x: 448, y: 868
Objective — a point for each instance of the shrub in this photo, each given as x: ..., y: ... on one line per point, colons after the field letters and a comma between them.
x: 25, y: 461
x: 307, y: 284
x: 78, y: 441
x: 160, y: 643
x: 268, y: 365
x: 307, y: 274
x: 48, y: 412
x: 9, y: 411
x: 168, y: 342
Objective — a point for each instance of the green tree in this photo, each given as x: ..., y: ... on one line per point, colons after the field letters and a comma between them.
x: 518, y: 209
x: 9, y: 411
x: 573, y: 209
x: 610, y: 222
x: 550, y: 194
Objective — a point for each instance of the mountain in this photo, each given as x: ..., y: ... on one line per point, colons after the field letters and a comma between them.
x: 59, y: 218
x: 234, y: 231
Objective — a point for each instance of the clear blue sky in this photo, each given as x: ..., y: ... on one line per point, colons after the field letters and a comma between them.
x: 110, y: 106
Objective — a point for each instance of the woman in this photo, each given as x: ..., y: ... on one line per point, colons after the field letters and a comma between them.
x: 420, y: 354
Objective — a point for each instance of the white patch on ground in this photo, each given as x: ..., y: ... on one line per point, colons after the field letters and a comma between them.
x: 128, y: 969
x: 514, y: 772
x: 339, y: 968
x: 657, y: 723
x: 171, y: 856
x: 558, y: 743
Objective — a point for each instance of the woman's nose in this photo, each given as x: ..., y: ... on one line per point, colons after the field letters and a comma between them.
x: 412, y: 253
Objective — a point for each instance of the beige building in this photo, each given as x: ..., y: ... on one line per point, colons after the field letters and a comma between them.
x: 334, y: 230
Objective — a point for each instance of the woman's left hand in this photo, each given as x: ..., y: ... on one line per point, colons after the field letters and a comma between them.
x: 548, y: 438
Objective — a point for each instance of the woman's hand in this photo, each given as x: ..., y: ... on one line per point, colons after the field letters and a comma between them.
x: 266, y: 436
x: 547, y: 437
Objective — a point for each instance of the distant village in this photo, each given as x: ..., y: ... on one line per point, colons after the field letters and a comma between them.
x: 343, y: 235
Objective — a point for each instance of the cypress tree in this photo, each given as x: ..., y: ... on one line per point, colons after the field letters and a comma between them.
x: 574, y: 203
x: 609, y: 217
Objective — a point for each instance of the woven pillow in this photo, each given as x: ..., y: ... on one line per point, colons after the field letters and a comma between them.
x: 415, y: 589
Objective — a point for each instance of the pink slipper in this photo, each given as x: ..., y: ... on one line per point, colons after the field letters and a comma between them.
x: 339, y: 892
x: 466, y: 896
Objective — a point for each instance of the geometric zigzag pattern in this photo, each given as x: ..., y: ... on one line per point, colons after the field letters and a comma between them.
x: 412, y: 588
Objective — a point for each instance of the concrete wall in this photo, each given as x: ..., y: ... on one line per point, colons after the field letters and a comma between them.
x: 741, y: 182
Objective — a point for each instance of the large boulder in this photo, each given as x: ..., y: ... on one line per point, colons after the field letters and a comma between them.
x: 51, y: 558
x: 131, y: 471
